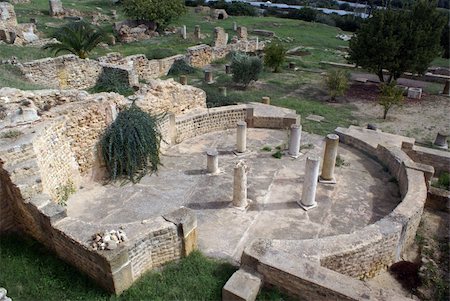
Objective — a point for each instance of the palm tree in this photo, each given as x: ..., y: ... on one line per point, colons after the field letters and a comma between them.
x: 77, y: 37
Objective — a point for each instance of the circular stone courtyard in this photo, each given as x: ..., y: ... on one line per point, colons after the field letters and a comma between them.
x: 364, y: 192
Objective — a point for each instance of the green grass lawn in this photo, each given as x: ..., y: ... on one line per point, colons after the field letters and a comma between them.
x: 30, y: 272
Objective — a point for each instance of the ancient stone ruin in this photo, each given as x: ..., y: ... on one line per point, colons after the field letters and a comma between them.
x: 218, y: 14
x: 12, y: 32
x: 135, y: 30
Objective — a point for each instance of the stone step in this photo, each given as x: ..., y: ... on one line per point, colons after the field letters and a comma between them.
x: 242, y: 286
x: 23, y: 170
x: 17, y: 154
x: 30, y: 186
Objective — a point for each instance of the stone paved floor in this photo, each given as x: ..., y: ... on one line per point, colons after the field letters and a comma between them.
x: 363, y: 194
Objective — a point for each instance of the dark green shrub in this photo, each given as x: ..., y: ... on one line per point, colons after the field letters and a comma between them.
x: 306, y: 14
x: 112, y: 82
x: 216, y: 99
x: 245, y: 68
x: 181, y: 67
x: 159, y: 53
x: 337, y: 83
x: 274, y: 55
x: 241, y: 9
x: 443, y: 181
x: 130, y: 145
x: 348, y: 22
x: 390, y: 96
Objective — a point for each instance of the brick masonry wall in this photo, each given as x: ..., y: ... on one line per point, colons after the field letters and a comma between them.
x: 55, y: 158
x: 194, y: 124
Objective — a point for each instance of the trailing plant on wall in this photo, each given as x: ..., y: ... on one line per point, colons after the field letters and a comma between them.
x: 130, y: 145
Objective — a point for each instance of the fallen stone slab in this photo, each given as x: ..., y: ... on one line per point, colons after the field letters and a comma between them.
x: 316, y: 118
x: 242, y: 286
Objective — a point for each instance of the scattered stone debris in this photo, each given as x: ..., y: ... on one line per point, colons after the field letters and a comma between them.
x: 135, y: 30
x: 316, y: 118
x: 3, y: 296
x: 108, y: 240
x: 344, y: 37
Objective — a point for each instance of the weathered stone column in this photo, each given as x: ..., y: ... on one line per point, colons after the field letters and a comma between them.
x: 294, y: 140
x: 441, y: 140
x: 223, y: 91
x: 241, y: 137
x: 197, y: 32
x: 227, y: 69
x: 212, y: 161
x: 234, y: 26
x: 183, y: 79
x: 329, y: 159
x: 183, y: 32
x: 446, y: 90
x: 240, y: 185
x: 308, y: 200
x: 208, y: 76
x: 257, y: 43
x: 266, y: 100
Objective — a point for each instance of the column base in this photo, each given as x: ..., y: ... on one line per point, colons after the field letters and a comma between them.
x: 242, y: 208
x: 247, y: 152
x: 293, y: 156
x: 219, y: 171
x: 307, y: 207
x: 331, y: 181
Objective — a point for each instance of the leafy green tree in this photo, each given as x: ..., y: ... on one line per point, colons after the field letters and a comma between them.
x: 130, y: 145
x: 398, y: 40
x: 78, y: 38
x: 274, y: 55
x: 337, y: 83
x: 445, y: 38
x: 245, y: 68
x: 162, y: 12
x: 390, y: 96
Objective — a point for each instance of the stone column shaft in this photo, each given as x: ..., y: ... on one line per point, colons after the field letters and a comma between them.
x: 294, y: 140
x: 183, y: 32
x: 212, y: 163
x: 240, y: 185
x: 329, y: 158
x: 308, y: 200
x: 241, y: 137
x: 208, y: 76
x: 227, y: 69
x: 183, y: 79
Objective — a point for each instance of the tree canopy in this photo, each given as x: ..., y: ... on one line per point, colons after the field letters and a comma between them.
x: 160, y: 11
x: 399, y: 40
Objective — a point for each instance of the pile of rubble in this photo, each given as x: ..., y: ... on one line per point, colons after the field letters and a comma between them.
x: 10, y: 31
x: 135, y: 30
x: 108, y: 240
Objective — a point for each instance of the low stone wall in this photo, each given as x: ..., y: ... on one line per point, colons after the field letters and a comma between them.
x: 71, y: 72
x: 306, y: 280
x: 439, y: 159
x: 64, y: 72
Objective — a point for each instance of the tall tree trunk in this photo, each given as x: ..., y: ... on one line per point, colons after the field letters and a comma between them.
x: 380, y: 75
x: 385, y: 112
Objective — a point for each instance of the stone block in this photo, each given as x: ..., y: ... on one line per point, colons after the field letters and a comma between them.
x: 54, y: 212
x: 184, y: 218
x: 242, y: 286
x: 56, y: 8
x: 415, y: 93
x: 122, y: 279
